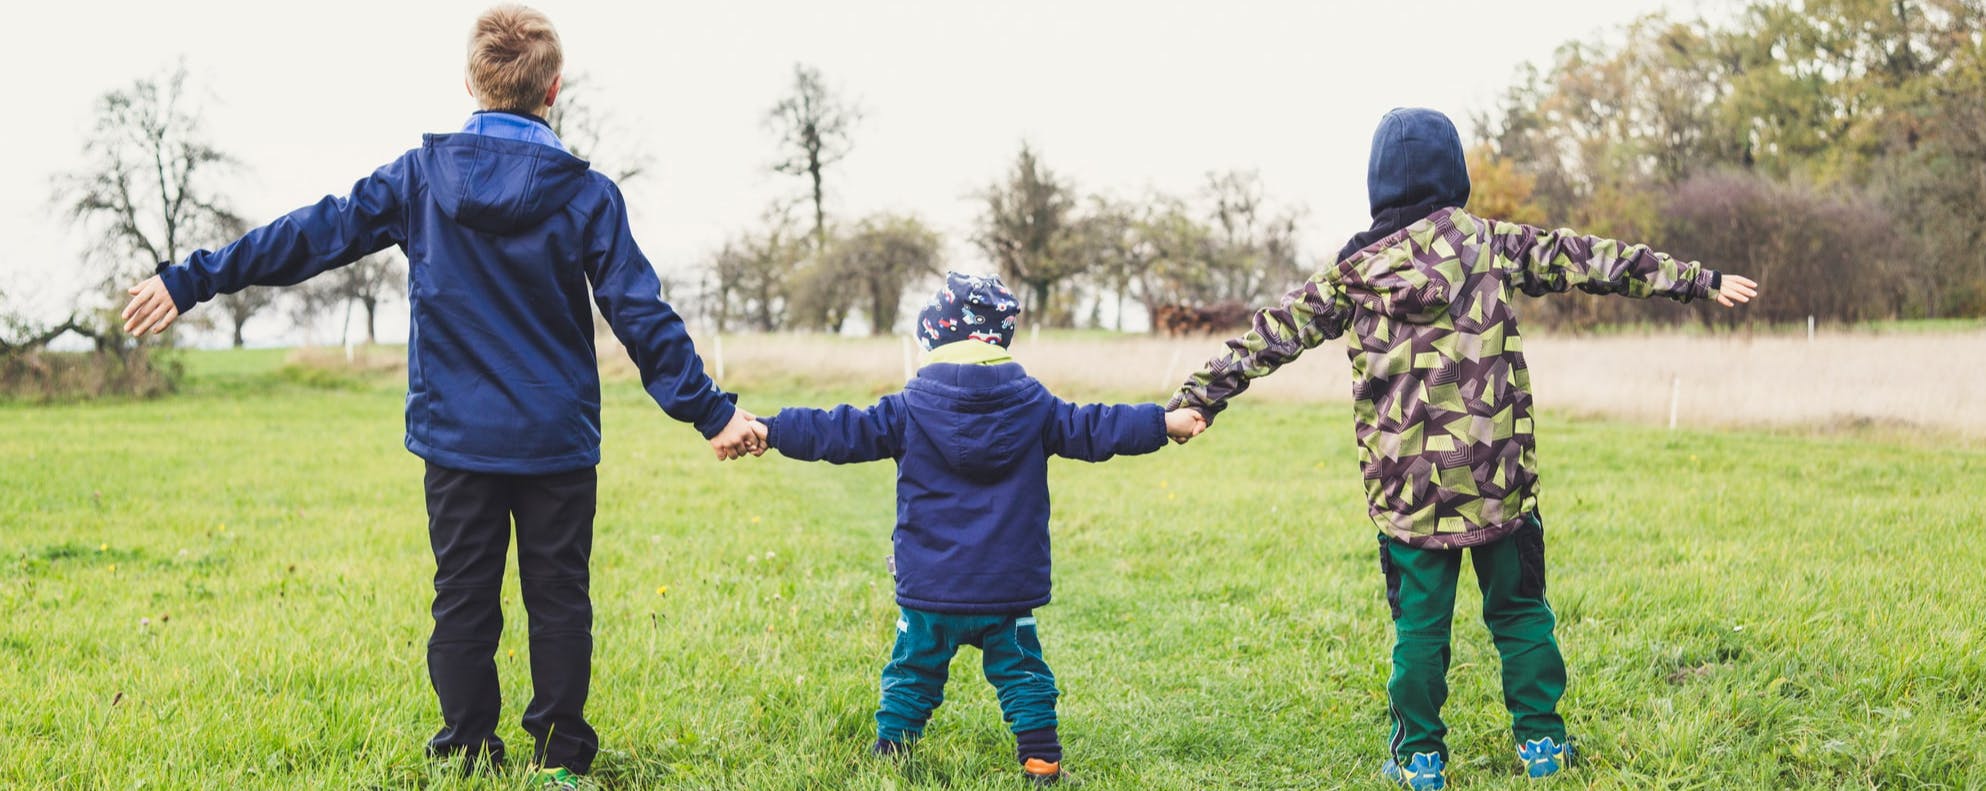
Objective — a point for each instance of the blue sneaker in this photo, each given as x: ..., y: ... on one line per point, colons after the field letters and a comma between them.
x: 1544, y: 757
x: 1422, y: 772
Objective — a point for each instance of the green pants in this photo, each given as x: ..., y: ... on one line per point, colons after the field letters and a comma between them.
x: 914, y: 679
x: 1420, y: 587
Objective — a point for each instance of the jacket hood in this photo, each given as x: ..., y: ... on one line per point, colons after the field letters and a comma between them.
x: 976, y: 415
x: 496, y: 185
x: 1417, y: 168
x: 1413, y: 283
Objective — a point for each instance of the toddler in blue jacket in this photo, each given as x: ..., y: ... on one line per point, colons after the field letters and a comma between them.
x: 971, y: 436
x: 505, y: 233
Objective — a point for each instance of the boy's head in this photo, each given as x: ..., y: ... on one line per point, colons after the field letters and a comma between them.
x: 1416, y: 163
x: 514, y: 60
x: 969, y: 308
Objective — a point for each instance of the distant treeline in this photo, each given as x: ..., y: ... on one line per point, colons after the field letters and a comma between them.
x: 1833, y: 149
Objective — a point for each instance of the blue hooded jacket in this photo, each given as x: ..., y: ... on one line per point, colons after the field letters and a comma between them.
x: 503, y: 233
x: 971, y: 444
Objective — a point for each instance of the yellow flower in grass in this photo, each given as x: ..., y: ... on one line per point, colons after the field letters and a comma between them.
x: 103, y: 546
x: 661, y: 590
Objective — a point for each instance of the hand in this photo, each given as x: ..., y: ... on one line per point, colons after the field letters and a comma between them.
x: 1184, y: 424
x: 739, y: 437
x: 151, y: 309
x: 1735, y: 291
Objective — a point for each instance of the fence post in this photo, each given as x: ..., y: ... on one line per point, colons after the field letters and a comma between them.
x: 1675, y: 400
x: 717, y: 351
x: 1810, y: 328
x: 909, y: 359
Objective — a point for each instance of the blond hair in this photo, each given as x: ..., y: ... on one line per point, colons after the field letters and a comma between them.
x: 514, y: 56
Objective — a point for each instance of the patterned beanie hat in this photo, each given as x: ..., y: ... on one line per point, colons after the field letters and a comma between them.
x: 969, y: 308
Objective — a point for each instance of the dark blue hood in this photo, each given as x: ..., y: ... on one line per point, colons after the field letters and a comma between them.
x: 1417, y: 168
x: 978, y: 417
x: 499, y: 186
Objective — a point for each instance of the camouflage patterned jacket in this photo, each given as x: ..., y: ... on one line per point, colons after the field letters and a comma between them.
x: 1442, y: 401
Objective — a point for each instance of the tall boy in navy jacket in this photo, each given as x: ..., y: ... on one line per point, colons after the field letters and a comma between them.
x: 971, y: 435
x: 503, y: 231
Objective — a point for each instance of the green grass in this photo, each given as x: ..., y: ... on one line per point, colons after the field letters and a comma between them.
x: 228, y: 588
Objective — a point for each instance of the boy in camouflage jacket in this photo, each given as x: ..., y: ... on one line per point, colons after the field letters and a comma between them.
x: 1442, y: 407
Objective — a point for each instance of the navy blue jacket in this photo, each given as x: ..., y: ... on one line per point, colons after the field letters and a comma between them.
x: 502, y: 239
x: 971, y: 444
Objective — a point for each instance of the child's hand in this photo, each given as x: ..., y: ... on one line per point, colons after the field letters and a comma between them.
x: 151, y: 309
x: 744, y: 434
x: 1736, y: 291
x: 1184, y: 424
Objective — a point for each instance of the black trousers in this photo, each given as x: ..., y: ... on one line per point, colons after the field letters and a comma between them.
x: 469, y: 522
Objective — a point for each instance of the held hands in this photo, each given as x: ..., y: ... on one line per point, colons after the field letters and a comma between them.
x: 1736, y: 291
x: 151, y: 309
x: 1183, y: 424
x: 743, y: 435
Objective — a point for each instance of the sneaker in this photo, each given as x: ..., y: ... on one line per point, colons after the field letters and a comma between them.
x: 1422, y: 772
x: 560, y: 779
x: 1544, y: 757
x: 1043, y: 773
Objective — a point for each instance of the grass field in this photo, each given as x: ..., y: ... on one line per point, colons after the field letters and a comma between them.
x: 228, y: 589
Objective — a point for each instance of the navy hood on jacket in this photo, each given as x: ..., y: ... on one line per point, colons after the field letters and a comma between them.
x: 1417, y: 168
x: 499, y: 186
x: 504, y: 239
x: 972, y: 444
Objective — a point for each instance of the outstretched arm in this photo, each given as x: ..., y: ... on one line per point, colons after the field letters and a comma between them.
x: 630, y: 297
x: 842, y: 435
x: 1314, y: 313
x: 1553, y: 261
x: 1096, y: 432
x: 325, y: 235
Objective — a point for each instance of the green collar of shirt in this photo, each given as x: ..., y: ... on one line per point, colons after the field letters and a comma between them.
x: 968, y: 353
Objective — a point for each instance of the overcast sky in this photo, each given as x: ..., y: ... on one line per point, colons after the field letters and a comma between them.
x: 1120, y: 97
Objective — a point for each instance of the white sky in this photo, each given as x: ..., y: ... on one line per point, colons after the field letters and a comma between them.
x: 1120, y: 97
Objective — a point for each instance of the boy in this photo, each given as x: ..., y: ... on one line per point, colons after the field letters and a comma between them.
x: 504, y: 231
x: 1442, y: 405
x: 971, y: 436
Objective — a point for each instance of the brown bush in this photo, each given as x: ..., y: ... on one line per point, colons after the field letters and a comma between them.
x: 41, y: 376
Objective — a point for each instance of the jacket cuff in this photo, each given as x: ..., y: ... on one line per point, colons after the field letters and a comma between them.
x: 1704, y: 286
x: 719, y: 417
x: 771, y: 430
x: 1157, y: 424
x: 174, y: 278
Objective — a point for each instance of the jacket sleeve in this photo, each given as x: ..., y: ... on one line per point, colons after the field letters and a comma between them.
x: 630, y: 297
x: 325, y: 235
x: 1315, y: 312
x: 842, y: 435
x: 1096, y: 432
x: 1553, y: 261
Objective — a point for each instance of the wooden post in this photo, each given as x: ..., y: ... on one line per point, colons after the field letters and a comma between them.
x: 1675, y: 400
x: 717, y: 352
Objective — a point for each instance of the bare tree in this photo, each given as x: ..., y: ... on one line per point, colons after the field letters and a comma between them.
x: 881, y: 257
x: 365, y: 283
x: 813, y: 124
x: 587, y: 131
x: 751, y: 275
x: 1026, y: 230
x: 146, y: 195
x: 1255, y: 255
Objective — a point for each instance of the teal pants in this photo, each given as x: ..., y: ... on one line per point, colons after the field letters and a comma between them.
x: 914, y: 679
x: 1420, y: 587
